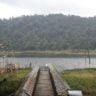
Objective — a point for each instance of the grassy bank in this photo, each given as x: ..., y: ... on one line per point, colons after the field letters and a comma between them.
x: 84, y: 80
x: 63, y: 53
x: 12, y: 81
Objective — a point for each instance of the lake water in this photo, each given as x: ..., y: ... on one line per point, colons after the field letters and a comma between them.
x: 59, y: 63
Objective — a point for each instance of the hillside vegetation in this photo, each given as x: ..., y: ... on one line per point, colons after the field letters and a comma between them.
x: 51, y: 32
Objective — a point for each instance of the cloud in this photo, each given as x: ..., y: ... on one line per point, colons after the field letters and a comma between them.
x: 7, y: 11
x: 76, y: 7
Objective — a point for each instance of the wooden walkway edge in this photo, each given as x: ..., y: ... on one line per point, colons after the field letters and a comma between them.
x: 61, y: 86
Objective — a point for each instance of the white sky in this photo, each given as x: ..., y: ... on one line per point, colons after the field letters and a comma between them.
x: 14, y: 8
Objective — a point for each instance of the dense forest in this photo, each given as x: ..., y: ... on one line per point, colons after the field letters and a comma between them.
x: 50, y: 32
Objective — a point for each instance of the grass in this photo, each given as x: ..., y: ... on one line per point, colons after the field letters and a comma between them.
x: 12, y: 82
x: 84, y: 80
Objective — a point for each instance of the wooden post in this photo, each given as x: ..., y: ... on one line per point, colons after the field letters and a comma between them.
x: 89, y: 58
x: 85, y: 56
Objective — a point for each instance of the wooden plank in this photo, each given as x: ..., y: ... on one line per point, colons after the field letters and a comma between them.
x: 44, y: 86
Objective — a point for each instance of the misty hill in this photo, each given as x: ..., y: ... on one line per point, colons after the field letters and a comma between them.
x: 51, y: 32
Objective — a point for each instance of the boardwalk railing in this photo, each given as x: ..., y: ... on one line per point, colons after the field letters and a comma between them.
x: 30, y: 84
x: 61, y: 86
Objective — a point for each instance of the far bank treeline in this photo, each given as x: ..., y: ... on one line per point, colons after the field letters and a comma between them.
x: 51, y: 32
x: 64, y: 53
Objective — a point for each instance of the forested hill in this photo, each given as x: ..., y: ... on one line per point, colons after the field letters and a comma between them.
x: 51, y: 32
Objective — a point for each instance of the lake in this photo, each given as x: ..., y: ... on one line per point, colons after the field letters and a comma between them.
x: 59, y: 63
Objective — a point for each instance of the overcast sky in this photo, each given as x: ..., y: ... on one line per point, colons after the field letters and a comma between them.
x: 14, y: 8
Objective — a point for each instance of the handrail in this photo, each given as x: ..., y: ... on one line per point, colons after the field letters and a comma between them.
x: 29, y: 85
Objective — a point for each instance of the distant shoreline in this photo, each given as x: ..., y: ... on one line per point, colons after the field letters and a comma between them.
x: 65, y: 53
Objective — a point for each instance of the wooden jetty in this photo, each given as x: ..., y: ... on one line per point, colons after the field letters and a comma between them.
x: 44, y: 81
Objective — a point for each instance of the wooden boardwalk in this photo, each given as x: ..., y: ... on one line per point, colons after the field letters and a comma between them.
x: 44, y: 85
x: 44, y: 81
